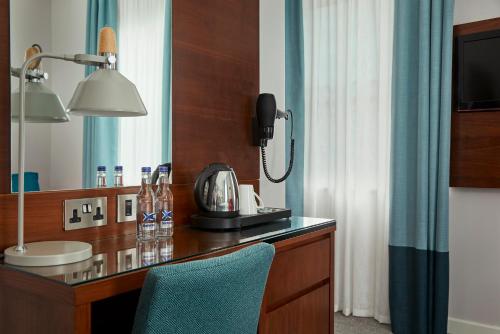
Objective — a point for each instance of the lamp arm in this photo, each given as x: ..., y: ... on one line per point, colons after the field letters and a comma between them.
x: 82, y: 59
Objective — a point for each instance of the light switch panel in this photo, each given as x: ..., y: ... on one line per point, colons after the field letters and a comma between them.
x: 85, y: 212
x: 126, y: 207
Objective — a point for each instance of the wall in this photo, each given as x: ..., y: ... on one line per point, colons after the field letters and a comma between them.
x: 68, y: 36
x: 272, y: 80
x: 474, y: 228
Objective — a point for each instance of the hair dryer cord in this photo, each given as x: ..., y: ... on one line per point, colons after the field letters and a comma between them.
x: 290, y: 164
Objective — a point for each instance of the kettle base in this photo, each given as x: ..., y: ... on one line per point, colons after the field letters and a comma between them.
x: 265, y: 215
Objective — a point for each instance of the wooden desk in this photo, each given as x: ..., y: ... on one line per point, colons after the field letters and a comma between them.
x: 101, y: 294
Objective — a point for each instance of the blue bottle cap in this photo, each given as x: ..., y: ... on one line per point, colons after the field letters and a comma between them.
x: 118, y: 168
x: 101, y: 168
x: 146, y: 169
x: 163, y: 169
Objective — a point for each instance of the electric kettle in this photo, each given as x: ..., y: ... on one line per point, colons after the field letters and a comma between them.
x: 216, y: 191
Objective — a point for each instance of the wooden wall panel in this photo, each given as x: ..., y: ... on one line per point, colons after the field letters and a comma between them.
x: 475, y: 135
x: 4, y: 97
x: 44, y: 216
x: 215, y: 82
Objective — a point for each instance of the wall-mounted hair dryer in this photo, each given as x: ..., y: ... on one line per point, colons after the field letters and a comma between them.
x: 264, y: 130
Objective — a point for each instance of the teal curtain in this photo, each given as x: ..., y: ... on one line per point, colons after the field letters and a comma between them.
x: 294, y: 100
x: 166, y: 153
x: 418, y: 250
x: 100, y: 134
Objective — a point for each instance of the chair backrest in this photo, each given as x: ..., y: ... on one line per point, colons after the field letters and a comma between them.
x: 30, y: 182
x: 217, y: 295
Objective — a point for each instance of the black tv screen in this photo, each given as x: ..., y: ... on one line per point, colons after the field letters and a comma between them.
x: 478, y: 74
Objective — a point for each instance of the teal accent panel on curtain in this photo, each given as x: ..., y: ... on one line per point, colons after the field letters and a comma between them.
x: 421, y: 117
x: 100, y: 134
x: 294, y: 100
x: 166, y: 154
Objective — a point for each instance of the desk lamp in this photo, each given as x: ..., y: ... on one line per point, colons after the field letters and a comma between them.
x: 105, y: 92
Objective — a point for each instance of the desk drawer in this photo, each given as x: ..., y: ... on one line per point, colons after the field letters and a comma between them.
x: 305, y: 315
x: 297, y: 270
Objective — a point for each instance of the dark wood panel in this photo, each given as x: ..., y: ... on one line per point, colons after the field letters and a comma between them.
x: 289, y: 290
x: 332, y: 282
x: 215, y: 80
x: 307, y: 314
x: 478, y: 26
x: 475, y: 136
x: 31, y: 304
x: 225, y: 28
x: 4, y: 97
x: 475, y: 154
x: 302, y: 267
x: 44, y: 216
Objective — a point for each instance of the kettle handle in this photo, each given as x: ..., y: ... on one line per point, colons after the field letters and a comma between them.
x: 202, y: 179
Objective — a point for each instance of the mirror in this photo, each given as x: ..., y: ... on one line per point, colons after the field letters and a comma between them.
x: 67, y: 155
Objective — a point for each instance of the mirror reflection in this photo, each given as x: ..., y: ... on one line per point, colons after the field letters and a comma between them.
x: 71, y: 153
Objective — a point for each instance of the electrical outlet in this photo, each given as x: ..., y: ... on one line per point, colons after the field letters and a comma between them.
x: 85, y: 212
x: 126, y: 206
x: 126, y: 259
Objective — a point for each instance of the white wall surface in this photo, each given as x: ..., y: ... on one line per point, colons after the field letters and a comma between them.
x: 475, y: 225
x: 272, y: 80
x: 68, y: 29
x: 34, y: 27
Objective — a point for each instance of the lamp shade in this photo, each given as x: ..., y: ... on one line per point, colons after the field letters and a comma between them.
x: 106, y: 92
x: 42, y: 105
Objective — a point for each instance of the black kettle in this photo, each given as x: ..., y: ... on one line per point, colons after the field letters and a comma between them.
x: 216, y: 191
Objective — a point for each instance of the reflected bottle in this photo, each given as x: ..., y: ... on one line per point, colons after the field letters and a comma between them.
x: 118, y: 177
x: 165, y: 249
x: 101, y: 177
x: 146, y: 252
x: 164, y: 205
x: 146, y: 215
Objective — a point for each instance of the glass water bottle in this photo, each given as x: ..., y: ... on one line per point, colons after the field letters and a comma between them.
x: 164, y: 205
x: 146, y: 215
x: 118, y: 179
x: 101, y: 177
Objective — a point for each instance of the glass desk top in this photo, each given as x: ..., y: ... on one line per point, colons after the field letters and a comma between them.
x: 125, y: 254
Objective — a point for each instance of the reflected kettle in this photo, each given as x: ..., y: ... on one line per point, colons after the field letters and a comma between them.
x: 216, y: 191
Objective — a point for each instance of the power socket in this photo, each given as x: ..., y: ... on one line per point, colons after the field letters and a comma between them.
x: 85, y: 212
x: 126, y: 208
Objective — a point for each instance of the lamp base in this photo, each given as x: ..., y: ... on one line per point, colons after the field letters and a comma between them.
x: 48, y: 253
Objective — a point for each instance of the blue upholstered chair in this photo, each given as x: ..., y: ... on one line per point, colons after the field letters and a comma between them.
x: 218, y: 295
x: 30, y: 182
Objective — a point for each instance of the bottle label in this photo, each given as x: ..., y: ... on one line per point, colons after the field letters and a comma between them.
x: 148, y: 258
x: 148, y: 226
x: 166, y: 215
x: 166, y: 218
x: 148, y: 217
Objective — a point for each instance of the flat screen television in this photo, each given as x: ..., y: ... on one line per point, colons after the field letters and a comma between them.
x: 478, y: 71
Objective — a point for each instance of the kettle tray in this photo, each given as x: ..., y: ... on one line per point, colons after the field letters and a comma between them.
x: 264, y: 215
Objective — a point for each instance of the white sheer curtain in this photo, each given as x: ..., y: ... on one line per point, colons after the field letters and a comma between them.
x: 348, y: 60
x: 140, y: 52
